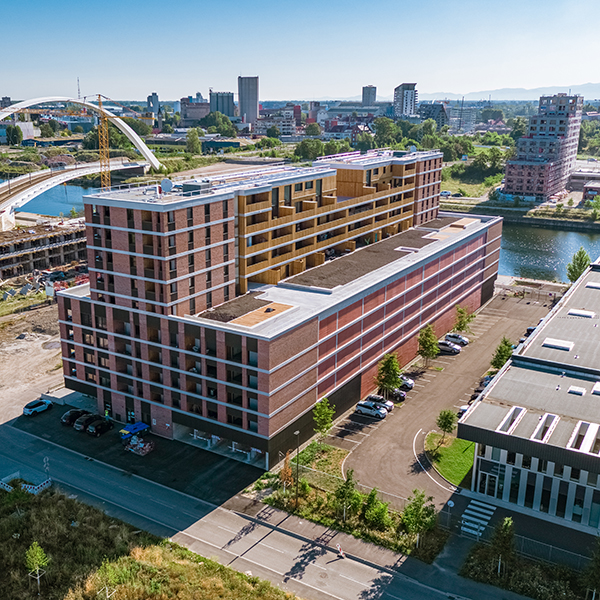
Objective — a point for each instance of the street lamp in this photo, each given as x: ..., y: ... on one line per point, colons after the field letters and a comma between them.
x: 297, y: 434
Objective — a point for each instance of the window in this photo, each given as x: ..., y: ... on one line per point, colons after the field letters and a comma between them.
x: 207, y: 236
x: 225, y: 252
x: 190, y: 240
x: 526, y: 462
x: 225, y: 209
x: 287, y: 195
x: 298, y: 187
x: 190, y: 216
x: 225, y: 231
x: 207, y: 257
x: 208, y: 278
x: 207, y: 213
x: 171, y: 241
x: 173, y: 287
x: 88, y: 338
x: 209, y: 300
x: 170, y: 217
x: 510, y: 458
x: 309, y: 185
x: 173, y: 267
x: 226, y: 272
x: 88, y: 357
x: 212, y: 411
x: 226, y: 294
x: 558, y: 470
x: 192, y: 283
x: 191, y: 265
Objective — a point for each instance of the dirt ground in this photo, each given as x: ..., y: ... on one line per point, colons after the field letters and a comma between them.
x: 30, y: 358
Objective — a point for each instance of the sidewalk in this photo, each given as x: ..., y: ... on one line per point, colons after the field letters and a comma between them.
x: 442, y: 575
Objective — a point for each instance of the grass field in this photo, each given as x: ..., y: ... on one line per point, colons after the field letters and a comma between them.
x: 88, y: 550
x: 469, y: 187
x: 322, y: 457
x: 7, y: 307
x: 453, y: 458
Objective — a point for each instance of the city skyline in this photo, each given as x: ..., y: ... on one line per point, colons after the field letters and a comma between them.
x: 270, y: 40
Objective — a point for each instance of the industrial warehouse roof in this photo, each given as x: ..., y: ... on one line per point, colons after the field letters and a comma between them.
x: 549, y: 392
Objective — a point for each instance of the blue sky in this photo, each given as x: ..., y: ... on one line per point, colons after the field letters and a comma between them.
x: 300, y: 50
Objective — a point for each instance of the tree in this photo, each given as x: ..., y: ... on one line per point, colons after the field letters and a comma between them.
x: 78, y: 129
x: 591, y: 575
x: 116, y: 139
x: 364, y: 142
x: 347, y: 496
x: 46, y: 131
x: 166, y: 128
x: 503, y: 352
x: 14, y: 135
x: 220, y: 122
x: 492, y: 114
x: 192, y: 144
x: 428, y: 343
x: 519, y: 128
x: 463, y: 319
x: 286, y: 476
x: 502, y: 542
x: 73, y: 213
x: 313, y: 129
x: 418, y: 515
x: 385, y: 132
x: 323, y: 418
x: 140, y: 127
x: 35, y: 560
x: 388, y: 374
x: 446, y: 421
x: 429, y: 127
x: 273, y: 132
x: 579, y: 263
x: 309, y: 149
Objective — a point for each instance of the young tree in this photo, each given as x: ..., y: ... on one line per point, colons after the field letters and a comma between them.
x: 579, y: 263
x: 388, y: 374
x: 14, y: 135
x: 323, y: 418
x: 418, y: 515
x: 502, y: 542
x: 503, y: 352
x: 347, y: 496
x: 192, y: 144
x: 313, y: 129
x: 446, y: 421
x: 35, y: 560
x: 463, y: 319
x: 73, y: 213
x: 428, y: 343
x: 286, y: 476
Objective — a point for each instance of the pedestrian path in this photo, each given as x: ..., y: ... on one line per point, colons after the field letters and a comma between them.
x: 476, y: 517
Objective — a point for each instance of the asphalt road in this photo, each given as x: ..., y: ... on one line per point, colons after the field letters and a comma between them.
x: 295, y: 562
x: 391, y: 456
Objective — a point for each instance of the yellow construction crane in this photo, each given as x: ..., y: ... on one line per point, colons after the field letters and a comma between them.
x: 103, y: 147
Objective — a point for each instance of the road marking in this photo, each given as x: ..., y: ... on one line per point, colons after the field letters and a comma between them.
x: 354, y: 580
x: 271, y: 547
x: 419, y: 385
x: 452, y: 489
x: 228, y: 530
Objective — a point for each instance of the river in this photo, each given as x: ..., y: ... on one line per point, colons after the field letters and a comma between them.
x: 530, y: 252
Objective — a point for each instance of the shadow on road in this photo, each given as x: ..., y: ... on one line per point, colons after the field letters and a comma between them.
x: 308, y: 554
x: 377, y: 588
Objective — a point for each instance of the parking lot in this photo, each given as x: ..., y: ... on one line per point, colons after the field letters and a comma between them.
x: 388, y: 454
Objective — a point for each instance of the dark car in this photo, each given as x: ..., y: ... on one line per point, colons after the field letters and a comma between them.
x: 380, y: 401
x: 100, y: 426
x: 72, y: 415
x: 529, y: 331
x: 397, y: 395
x: 82, y: 423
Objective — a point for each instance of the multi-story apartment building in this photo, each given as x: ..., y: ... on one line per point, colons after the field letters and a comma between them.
x: 546, y: 155
x: 369, y: 95
x: 537, y: 425
x: 436, y: 111
x: 248, y: 99
x: 40, y: 247
x: 215, y: 314
x: 285, y: 123
x: 406, y: 99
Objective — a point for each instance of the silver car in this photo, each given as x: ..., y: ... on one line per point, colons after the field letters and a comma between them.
x: 380, y: 401
x: 456, y: 338
x: 366, y: 407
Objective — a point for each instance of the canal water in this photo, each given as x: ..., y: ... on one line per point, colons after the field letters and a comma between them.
x: 530, y: 252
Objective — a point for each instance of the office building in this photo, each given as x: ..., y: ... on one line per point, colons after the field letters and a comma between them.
x: 192, y: 111
x: 222, y: 102
x: 369, y: 95
x: 248, y: 99
x: 221, y: 311
x: 537, y: 425
x: 546, y: 155
x: 153, y: 104
x: 406, y: 98
x: 436, y: 111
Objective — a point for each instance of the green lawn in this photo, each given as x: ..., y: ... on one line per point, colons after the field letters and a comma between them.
x: 19, y: 302
x: 453, y: 459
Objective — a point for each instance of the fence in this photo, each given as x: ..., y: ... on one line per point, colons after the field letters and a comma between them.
x: 524, y: 546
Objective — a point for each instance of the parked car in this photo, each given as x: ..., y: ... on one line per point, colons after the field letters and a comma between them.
x: 371, y: 409
x: 445, y: 193
x: 37, y: 406
x: 396, y: 394
x: 457, y: 195
x: 462, y: 410
x: 72, y: 415
x: 82, y: 423
x: 456, y: 338
x: 486, y: 380
x: 529, y: 331
x: 406, y: 383
x: 380, y: 401
x: 99, y: 426
x: 448, y: 347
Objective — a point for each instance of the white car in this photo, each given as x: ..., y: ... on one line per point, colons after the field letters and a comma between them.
x: 445, y: 194
x: 37, y: 406
x: 456, y: 338
x: 371, y: 409
x: 462, y: 410
x: 406, y: 383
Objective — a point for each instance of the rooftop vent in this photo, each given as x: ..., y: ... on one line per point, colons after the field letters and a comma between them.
x: 558, y: 344
x: 511, y: 420
x: 596, y: 388
x: 545, y: 428
x: 592, y: 284
x: 585, y: 437
x: 588, y: 314
x: 579, y: 391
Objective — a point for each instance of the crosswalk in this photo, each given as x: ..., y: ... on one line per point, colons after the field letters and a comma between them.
x: 476, y: 517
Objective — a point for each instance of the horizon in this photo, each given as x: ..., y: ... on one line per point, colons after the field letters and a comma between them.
x: 281, y: 44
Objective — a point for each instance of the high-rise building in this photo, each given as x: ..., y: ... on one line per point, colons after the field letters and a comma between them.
x: 214, y: 314
x: 405, y: 100
x: 369, y: 95
x: 546, y: 155
x: 436, y: 111
x: 153, y: 104
x: 248, y: 99
x: 222, y: 102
